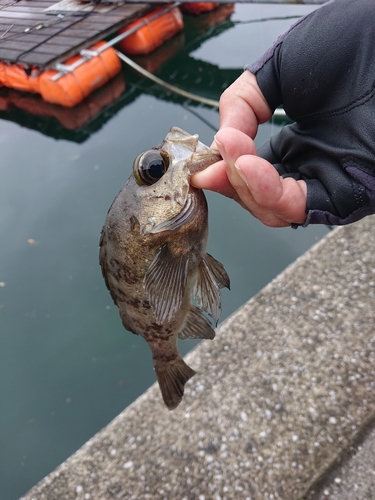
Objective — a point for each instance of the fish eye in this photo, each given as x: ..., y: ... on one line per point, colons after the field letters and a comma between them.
x: 150, y: 166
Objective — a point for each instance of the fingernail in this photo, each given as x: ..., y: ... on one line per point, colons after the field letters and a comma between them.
x: 217, y: 142
x: 241, y: 173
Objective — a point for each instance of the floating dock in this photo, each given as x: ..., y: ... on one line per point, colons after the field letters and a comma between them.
x: 43, y: 32
x: 57, y: 49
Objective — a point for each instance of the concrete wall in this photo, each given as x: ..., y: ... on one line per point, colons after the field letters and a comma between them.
x: 287, y: 385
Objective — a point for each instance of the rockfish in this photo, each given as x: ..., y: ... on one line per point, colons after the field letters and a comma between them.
x: 153, y: 256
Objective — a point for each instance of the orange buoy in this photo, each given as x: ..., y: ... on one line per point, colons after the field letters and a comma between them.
x: 69, y: 89
x: 16, y: 77
x: 74, y: 86
x: 152, y: 34
x: 152, y: 62
x: 199, y: 7
x: 214, y: 17
x: 70, y: 119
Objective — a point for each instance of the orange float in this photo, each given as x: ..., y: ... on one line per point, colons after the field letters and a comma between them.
x: 69, y: 89
x: 199, y: 7
x: 15, y: 77
x: 151, y: 35
x: 73, y: 87
x: 71, y: 119
x: 152, y: 62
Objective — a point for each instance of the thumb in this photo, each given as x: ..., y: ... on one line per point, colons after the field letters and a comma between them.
x: 232, y: 144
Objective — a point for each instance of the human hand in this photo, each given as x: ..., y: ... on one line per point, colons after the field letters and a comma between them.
x: 253, y: 182
x: 242, y: 175
x: 243, y: 106
x: 320, y: 169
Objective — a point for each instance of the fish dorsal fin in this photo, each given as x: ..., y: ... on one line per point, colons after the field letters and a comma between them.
x: 196, y: 326
x: 212, y: 277
x: 165, y: 282
x: 182, y: 138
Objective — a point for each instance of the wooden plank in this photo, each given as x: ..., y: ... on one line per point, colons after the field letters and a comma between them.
x: 51, y: 50
x: 16, y: 28
x: 56, y: 53
x: 57, y: 39
x: 18, y: 8
x: 63, y: 42
x: 22, y: 2
x: 23, y: 15
x: 23, y: 23
x: 72, y: 31
x: 41, y: 4
x: 18, y: 33
x: 40, y: 60
x: 33, y: 39
x: 301, y: 2
x: 36, y: 2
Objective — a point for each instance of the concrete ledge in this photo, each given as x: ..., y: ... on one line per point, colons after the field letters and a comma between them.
x: 287, y: 385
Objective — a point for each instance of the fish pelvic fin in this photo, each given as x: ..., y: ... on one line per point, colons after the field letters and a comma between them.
x: 172, y: 376
x: 196, y: 326
x: 212, y: 277
x: 165, y: 282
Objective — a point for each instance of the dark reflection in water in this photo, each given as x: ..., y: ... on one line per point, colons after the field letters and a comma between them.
x: 67, y: 366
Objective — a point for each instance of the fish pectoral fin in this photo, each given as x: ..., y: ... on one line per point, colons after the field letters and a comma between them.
x: 212, y: 276
x: 196, y: 326
x: 172, y: 377
x: 165, y: 282
x: 184, y: 217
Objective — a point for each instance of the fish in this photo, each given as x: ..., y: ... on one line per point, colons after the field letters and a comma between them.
x: 152, y: 253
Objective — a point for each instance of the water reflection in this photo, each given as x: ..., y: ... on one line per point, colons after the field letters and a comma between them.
x: 67, y: 367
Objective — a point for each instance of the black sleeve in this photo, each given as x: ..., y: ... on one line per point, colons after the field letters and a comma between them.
x: 323, y: 72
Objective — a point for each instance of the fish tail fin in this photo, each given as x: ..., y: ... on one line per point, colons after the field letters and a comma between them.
x: 172, y: 377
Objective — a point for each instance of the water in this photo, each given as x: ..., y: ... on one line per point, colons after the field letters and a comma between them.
x: 67, y: 367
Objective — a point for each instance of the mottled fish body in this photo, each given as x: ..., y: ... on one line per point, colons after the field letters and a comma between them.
x: 153, y: 256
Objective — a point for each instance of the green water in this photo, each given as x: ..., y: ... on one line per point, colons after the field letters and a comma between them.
x: 67, y: 366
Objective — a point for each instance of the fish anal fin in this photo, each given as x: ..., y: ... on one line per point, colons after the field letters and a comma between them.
x: 212, y: 276
x: 165, y: 282
x: 172, y: 376
x: 196, y: 326
x: 207, y: 292
x: 218, y: 271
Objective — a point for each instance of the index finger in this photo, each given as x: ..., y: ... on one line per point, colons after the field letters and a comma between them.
x: 214, y: 178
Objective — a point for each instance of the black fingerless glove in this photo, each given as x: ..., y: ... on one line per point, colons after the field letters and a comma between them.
x: 323, y: 72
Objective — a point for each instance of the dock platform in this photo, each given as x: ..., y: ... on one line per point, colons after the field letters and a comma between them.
x: 44, y: 32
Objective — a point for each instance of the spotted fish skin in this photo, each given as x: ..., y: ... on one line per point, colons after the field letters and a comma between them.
x: 154, y: 261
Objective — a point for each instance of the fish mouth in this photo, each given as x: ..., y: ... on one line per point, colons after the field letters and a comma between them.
x: 186, y: 215
x: 202, y: 159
